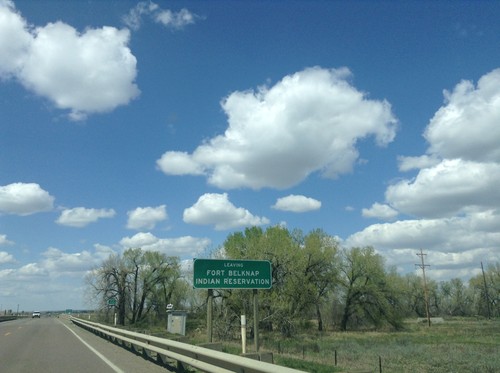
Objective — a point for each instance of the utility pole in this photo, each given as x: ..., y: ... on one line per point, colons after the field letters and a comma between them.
x: 486, y: 292
x: 426, y: 295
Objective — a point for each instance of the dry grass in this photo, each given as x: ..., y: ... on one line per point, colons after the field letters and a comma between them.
x: 453, y: 346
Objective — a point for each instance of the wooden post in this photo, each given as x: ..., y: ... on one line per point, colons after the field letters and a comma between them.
x: 486, y: 292
x: 209, y: 314
x: 256, y: 320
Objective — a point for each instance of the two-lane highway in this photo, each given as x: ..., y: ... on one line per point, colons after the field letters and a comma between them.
x: 56, y: 345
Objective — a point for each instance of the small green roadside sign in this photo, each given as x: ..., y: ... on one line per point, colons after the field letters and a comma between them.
x: 112, y: 302
x: 231, y: 274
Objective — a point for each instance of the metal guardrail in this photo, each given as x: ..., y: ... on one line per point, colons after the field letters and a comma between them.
x: 182, y: 354
x: 7, y: 318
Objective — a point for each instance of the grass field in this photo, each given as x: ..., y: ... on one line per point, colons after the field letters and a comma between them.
x: 453, y: 346
x: 458, y: 345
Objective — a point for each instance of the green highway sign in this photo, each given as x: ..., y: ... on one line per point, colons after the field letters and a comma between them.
x: 112, y: 302
x: 231, y: 274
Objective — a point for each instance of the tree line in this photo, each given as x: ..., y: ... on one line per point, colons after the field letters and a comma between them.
x: 136, y: 284
x: 315, y: 283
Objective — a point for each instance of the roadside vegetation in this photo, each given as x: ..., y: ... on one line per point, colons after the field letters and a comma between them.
x: 324, y: 299
x: 455, y: 345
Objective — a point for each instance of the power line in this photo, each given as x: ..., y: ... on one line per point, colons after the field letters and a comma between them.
x: 486, y: 292
x: 426, y: 295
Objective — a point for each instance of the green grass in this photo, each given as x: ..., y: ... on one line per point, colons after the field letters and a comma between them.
x: 453, y: 346
x: 304, y: 365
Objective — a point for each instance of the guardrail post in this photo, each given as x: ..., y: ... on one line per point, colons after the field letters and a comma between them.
x: 180, y: 366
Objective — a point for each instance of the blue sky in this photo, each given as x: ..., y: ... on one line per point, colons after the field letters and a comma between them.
x: 169, y: 125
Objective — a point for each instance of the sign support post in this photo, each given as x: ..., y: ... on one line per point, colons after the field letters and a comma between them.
x: 256, y: 320
x: 209, y: 314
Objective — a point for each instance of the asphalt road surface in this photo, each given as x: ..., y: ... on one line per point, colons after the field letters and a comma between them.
x: 55, y: 345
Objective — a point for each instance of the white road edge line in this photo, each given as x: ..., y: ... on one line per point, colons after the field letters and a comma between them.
x: 103, y: 358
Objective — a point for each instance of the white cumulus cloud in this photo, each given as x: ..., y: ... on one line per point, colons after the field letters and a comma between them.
x: 80, y: 216
x: 166, y: 17
x: 30, y: 270
x: 380, y: 211
x: 15, y: 40
x: 277, y: 136
x: 467, y: 127
x: 179, y: 163
x: 297, y: 203
x: 454, y: 196
x: 216, y: 209
x: 84, y: 72
x: 58, y: 263
x: 6, y: 258
x: 139, y: 240
x: 449, y: 188
x: 146, y: 217
x: 24, y: 199
x: 461, y: 170
x: 4, y: 240
x: 412, y: 163
x: 175, y: 20
x: 185, y: 246
x: 461, y: 242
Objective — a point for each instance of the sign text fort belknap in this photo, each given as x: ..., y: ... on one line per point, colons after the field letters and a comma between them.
x: 231, y: 274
